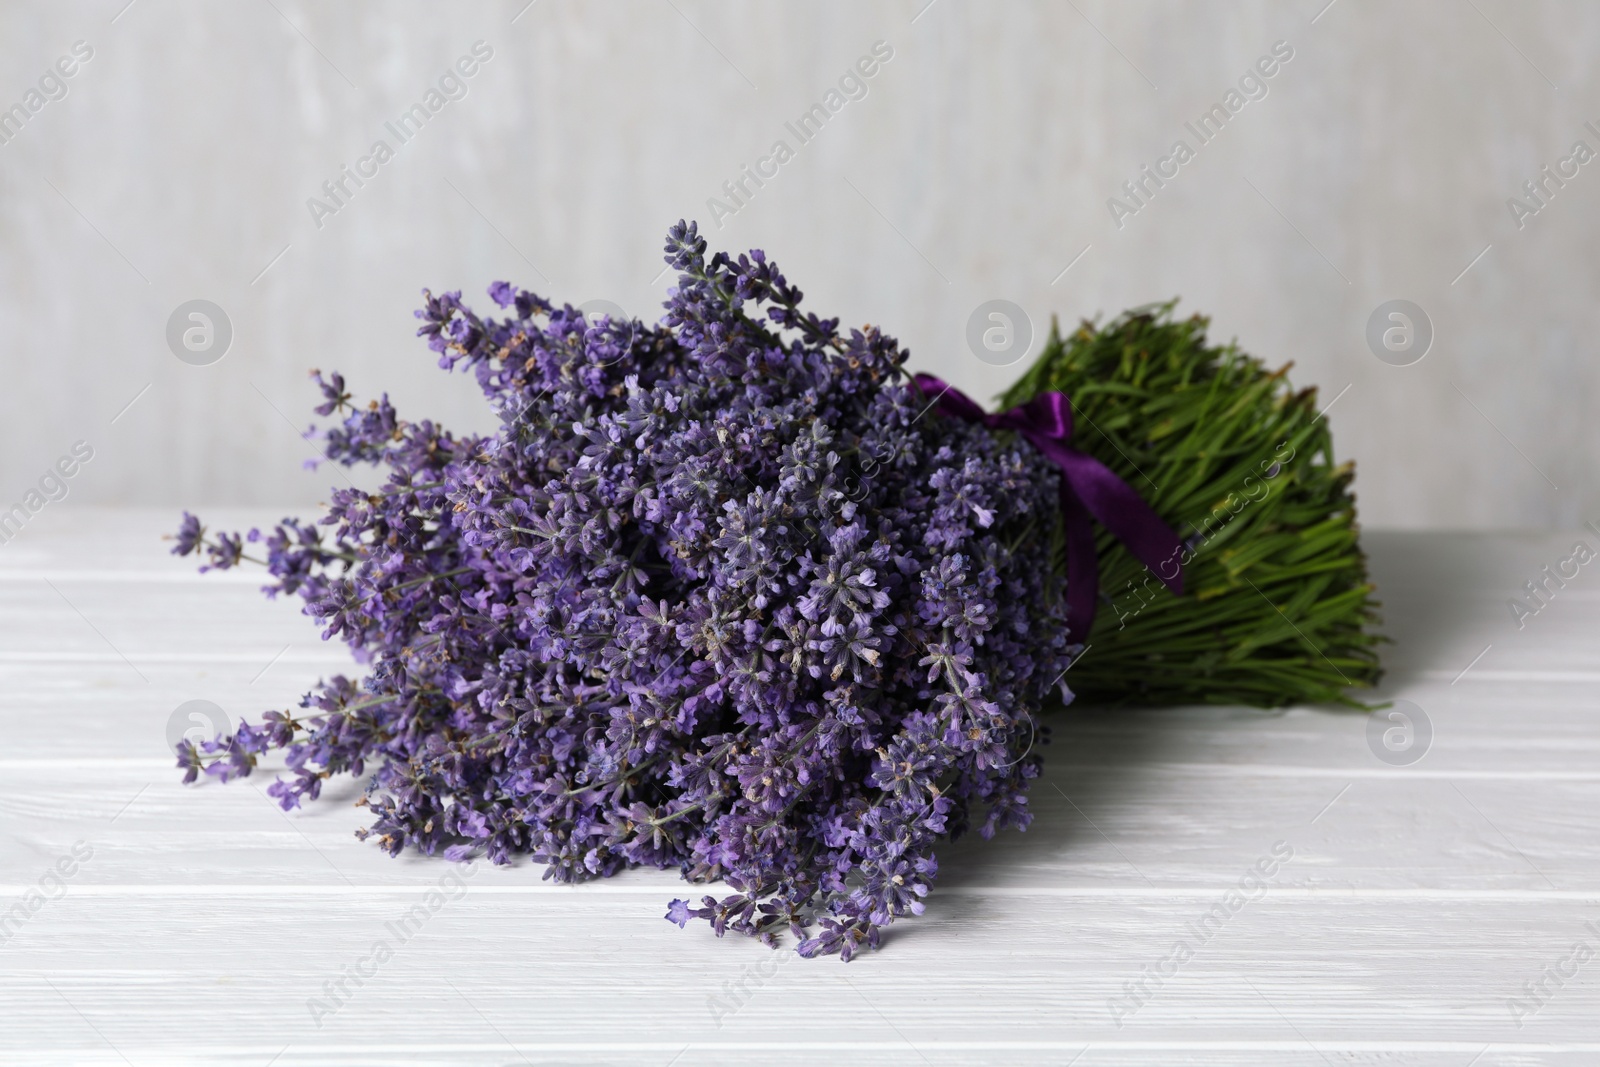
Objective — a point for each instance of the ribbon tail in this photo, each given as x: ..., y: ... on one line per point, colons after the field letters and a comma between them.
x: 1119, y: 509
x: 1083, y: 569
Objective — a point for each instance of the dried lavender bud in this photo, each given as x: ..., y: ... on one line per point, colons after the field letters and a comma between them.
x: 721, y: 594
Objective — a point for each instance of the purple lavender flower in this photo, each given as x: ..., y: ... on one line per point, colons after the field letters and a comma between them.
x: 719, y: 595
x: 189, y: 535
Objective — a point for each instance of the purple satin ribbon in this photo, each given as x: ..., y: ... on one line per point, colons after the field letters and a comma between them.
x: 1088, y: 488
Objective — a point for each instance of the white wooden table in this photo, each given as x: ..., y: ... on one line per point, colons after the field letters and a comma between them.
x: 1416, y: 904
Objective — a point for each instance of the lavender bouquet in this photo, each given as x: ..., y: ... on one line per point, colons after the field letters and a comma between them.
x: 734, y: 594
x: 722, y: 594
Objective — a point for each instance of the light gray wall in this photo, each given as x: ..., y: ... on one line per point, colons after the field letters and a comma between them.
x: 979, y: 164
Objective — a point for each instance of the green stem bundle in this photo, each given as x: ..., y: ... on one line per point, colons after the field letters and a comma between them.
x: 1277, y: 607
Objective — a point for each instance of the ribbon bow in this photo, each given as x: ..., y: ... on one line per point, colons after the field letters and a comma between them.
x: 1088, y: 488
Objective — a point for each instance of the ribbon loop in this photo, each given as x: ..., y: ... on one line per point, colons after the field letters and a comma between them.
x: 1088, y: 489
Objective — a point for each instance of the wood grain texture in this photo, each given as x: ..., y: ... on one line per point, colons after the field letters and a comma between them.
x: 1415, y: 903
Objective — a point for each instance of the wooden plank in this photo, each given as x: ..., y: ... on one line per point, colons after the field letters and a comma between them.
x: 1167, y: 827
x: 106, y: 709
x: 979, y: 979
